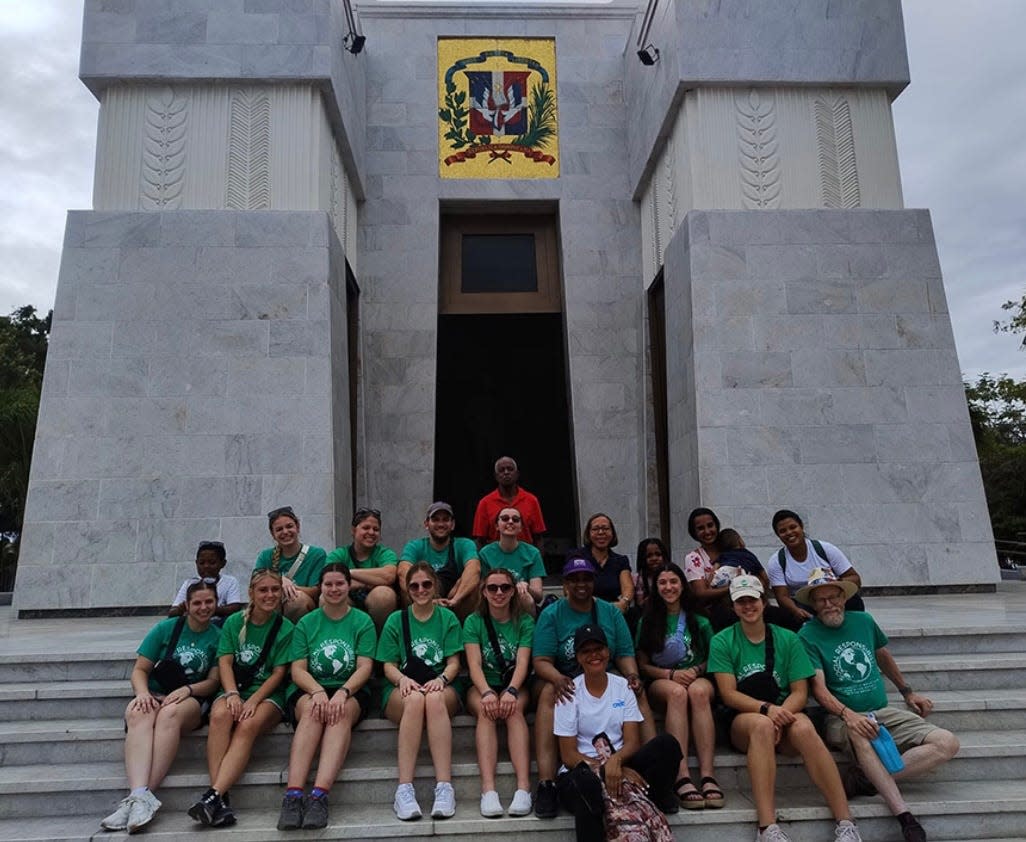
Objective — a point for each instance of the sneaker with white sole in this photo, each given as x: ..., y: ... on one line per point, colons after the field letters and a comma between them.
x: 773, y: 833
x: 491, y: 807
x: 445, y: 801
x: 405, y: 804
x: 846, y: 832
x: 118, y: 820
x: 144, y: 808
x: 521, y: 803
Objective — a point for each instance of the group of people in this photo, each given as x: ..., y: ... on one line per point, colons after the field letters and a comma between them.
x: 451, y: 622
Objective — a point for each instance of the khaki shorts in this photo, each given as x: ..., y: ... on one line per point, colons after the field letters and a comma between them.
x: 907, y: 728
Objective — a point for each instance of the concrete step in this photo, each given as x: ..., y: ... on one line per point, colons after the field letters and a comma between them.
x: 955, y: 641
x: 1002, y: 670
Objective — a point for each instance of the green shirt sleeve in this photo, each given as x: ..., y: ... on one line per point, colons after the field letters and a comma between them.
x: 452, y: 637
x: 526, y: 634
x: 366, y: 636
x: 390, y: 642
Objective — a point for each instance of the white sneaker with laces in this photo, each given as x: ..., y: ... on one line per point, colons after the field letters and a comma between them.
x: 521, y: 803
x: 490, y: 806
x: 143, y: 810
x: 118, y: 820
x: 846, y: 832
x: 445, y: 801
x: 773, y: 833
x: 406, y: 806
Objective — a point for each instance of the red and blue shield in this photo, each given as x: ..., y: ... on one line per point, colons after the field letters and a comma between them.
x: 498, y: 102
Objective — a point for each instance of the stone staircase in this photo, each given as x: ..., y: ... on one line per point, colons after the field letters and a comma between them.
x: 63, y: 692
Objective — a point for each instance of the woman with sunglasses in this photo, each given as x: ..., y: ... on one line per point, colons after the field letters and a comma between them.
x: 298, y: 564
x: 253, y: 657
x: 497, y: 679
x: 332, y: 658
x: 157, y: 717
x: 523, y: 560
x: 372, y: 565
x: 419, y: 649
x: 613, y: 580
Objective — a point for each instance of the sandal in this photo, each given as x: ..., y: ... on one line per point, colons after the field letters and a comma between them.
x: 711, y: 793
x: 690, y: 799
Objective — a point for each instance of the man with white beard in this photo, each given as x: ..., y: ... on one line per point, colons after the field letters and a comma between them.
x: 849, y: 651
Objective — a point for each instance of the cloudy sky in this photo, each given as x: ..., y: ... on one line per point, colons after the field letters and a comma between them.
x: 960, y: 128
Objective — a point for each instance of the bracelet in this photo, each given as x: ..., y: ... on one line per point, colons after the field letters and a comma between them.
x: 347, y: 691
x: 232, y: 693
x: 512, y: 691
x: 631, y: 677
x: 670, y: 676
x: 189, y: 688
x: 905, y: 691
x: 488, y: 693
x: 445, y: 679
x: 320, y: 690
x: 841, y: 714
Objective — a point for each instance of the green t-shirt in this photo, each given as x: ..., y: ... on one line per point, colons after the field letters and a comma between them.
x: 511, y: 636
x: 691, y: 657
x: 847, y: 656
x: 309, y: 573
x: 197, y: 653
x: 420, y: 549
x: 525, y: 562
x: 433, y: 641
x: 331, y: 647
x: 248, y: 652
x: 554, y: 633
x: 381, y: 556
x: 732, y: 652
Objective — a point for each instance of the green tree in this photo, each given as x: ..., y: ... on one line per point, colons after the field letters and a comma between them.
x: 1016, y: 323
x: 24, y: 337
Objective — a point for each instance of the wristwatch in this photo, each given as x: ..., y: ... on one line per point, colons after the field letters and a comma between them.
x: 764, y: 708
x: 512, y: 691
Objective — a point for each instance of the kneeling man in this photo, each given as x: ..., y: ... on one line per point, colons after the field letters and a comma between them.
x: 849, y: 651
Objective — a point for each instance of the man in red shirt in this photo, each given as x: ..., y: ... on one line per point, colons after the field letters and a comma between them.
x: 508, y: 495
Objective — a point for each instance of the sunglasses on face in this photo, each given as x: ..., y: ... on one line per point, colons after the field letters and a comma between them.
x: 421, y: 586
x: 274, y: 514
x: 509, y: 518
x: 505, y: 587
x: 360, y: 514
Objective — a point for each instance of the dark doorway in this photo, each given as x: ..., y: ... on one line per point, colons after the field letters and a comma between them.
x: 657, y: 355
x: 502, y: 391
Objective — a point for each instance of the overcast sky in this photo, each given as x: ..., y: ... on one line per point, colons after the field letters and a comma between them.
x: 960, y: 128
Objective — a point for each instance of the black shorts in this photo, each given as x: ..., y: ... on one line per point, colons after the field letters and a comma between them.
x: 362, y: 697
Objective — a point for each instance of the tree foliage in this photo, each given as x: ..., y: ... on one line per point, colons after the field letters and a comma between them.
x: 1016, y: 323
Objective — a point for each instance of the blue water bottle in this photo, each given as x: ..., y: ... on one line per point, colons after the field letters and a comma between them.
x: 885, y: 748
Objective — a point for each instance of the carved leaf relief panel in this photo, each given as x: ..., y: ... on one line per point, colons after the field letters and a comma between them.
x: 164, y: 146
x: 835, y: 140
x: 248, y: 181
x: 756, y: 119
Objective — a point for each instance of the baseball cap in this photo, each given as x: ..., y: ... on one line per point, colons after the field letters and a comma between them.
x: 439, y: 506
x: 578, y: 565
x: 745, y: 585
x: 589, y: 633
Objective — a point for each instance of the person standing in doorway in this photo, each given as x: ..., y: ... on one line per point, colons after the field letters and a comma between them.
x: 508, y: 494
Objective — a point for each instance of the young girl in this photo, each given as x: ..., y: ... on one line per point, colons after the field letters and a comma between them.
x: 252, y: 656
x: 332, y: 658
x: 157, y: 716
x: 298, y: 564
x: 652, y: 555
x: 673, y: 645
x: 419, y: 692
x: 495, y: 696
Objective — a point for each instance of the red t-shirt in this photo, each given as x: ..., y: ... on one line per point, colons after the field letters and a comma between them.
x: 489, y: 506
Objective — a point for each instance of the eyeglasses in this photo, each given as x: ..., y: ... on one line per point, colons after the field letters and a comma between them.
x: 505, y: 587
x: 420, y: 586
x: 274, y: 514
x: 360, y: 514
x: 509, y: 518
x: 601, y: 529
x: 211, y: 545
x: 829, y: 600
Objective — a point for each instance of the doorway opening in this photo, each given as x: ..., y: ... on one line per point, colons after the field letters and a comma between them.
x: 657, y: 357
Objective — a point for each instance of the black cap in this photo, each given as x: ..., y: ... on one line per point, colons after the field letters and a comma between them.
x: 589, y: 633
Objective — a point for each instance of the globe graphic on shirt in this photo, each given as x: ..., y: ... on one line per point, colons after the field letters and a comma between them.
x: 331, y: 658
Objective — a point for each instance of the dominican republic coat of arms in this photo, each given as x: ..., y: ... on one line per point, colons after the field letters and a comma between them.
x: 497, y: 115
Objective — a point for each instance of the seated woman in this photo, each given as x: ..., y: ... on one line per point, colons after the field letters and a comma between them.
x: 599, y: 735
x: 762, y: 673
x: 790, y: 566
x: 497, y: 679
x: 252, y: 656
x: 673, y: 645
x: 419, y: 648
x: 613, y: 581
x: 332, y: 658
x: 523, y: 560
x: 700, y: 563
x: 372, y: 565
x: 298, y: 564
x: 158, y: 715
x: 651, y: 556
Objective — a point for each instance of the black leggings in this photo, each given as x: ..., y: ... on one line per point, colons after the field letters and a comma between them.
x: 580, y: 790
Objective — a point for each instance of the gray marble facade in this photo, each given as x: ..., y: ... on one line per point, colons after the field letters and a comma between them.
x: 198, y: 372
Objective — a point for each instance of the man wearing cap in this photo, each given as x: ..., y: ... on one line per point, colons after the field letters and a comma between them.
x: 455, y: 560
x: 508, y: 494
x: 555, y: 665
x: 849, y: 652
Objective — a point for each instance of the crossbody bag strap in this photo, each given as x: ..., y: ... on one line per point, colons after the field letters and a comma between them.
x: 494, y: 638
x: 268, y: 643
x: 407, y: 637
x: 770, y: 654
x: 173, y: 642
x: 291, y: 574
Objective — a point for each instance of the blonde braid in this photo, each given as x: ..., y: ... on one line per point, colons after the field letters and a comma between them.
x: 276, y: 558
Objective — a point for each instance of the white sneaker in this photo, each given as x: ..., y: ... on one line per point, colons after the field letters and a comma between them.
x: 521, y: 803
x: 846, y: 832
x: 490, y: 806
x: 773, y: 833
x: 445, y: 801
x: 118, y: 820
x: 406, y: 806
x: 143, y: 810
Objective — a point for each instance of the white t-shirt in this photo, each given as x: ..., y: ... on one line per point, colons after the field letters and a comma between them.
x: 228, y: 590
x: 586, y: 717
x: 798, y: 571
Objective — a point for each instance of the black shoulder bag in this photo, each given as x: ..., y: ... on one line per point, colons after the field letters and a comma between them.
x: 449, y: 574
x: 245, y: 674
x: 762, y: 685
x: 506, y: 670
x: 167, y: 672
x: 416, y: 667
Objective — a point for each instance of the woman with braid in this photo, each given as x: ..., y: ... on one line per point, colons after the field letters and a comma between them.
x: 298, y: 564
x: 252, y: 658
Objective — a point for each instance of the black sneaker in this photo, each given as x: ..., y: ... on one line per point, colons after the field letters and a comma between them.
x: 856, y: 783
x: 291, y: 815
x: 315, y: 812
x: 667, y: 802
x: 203, y: 810
x: 224, y: 815
x: 546, y: 802
x: 911, y: 830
